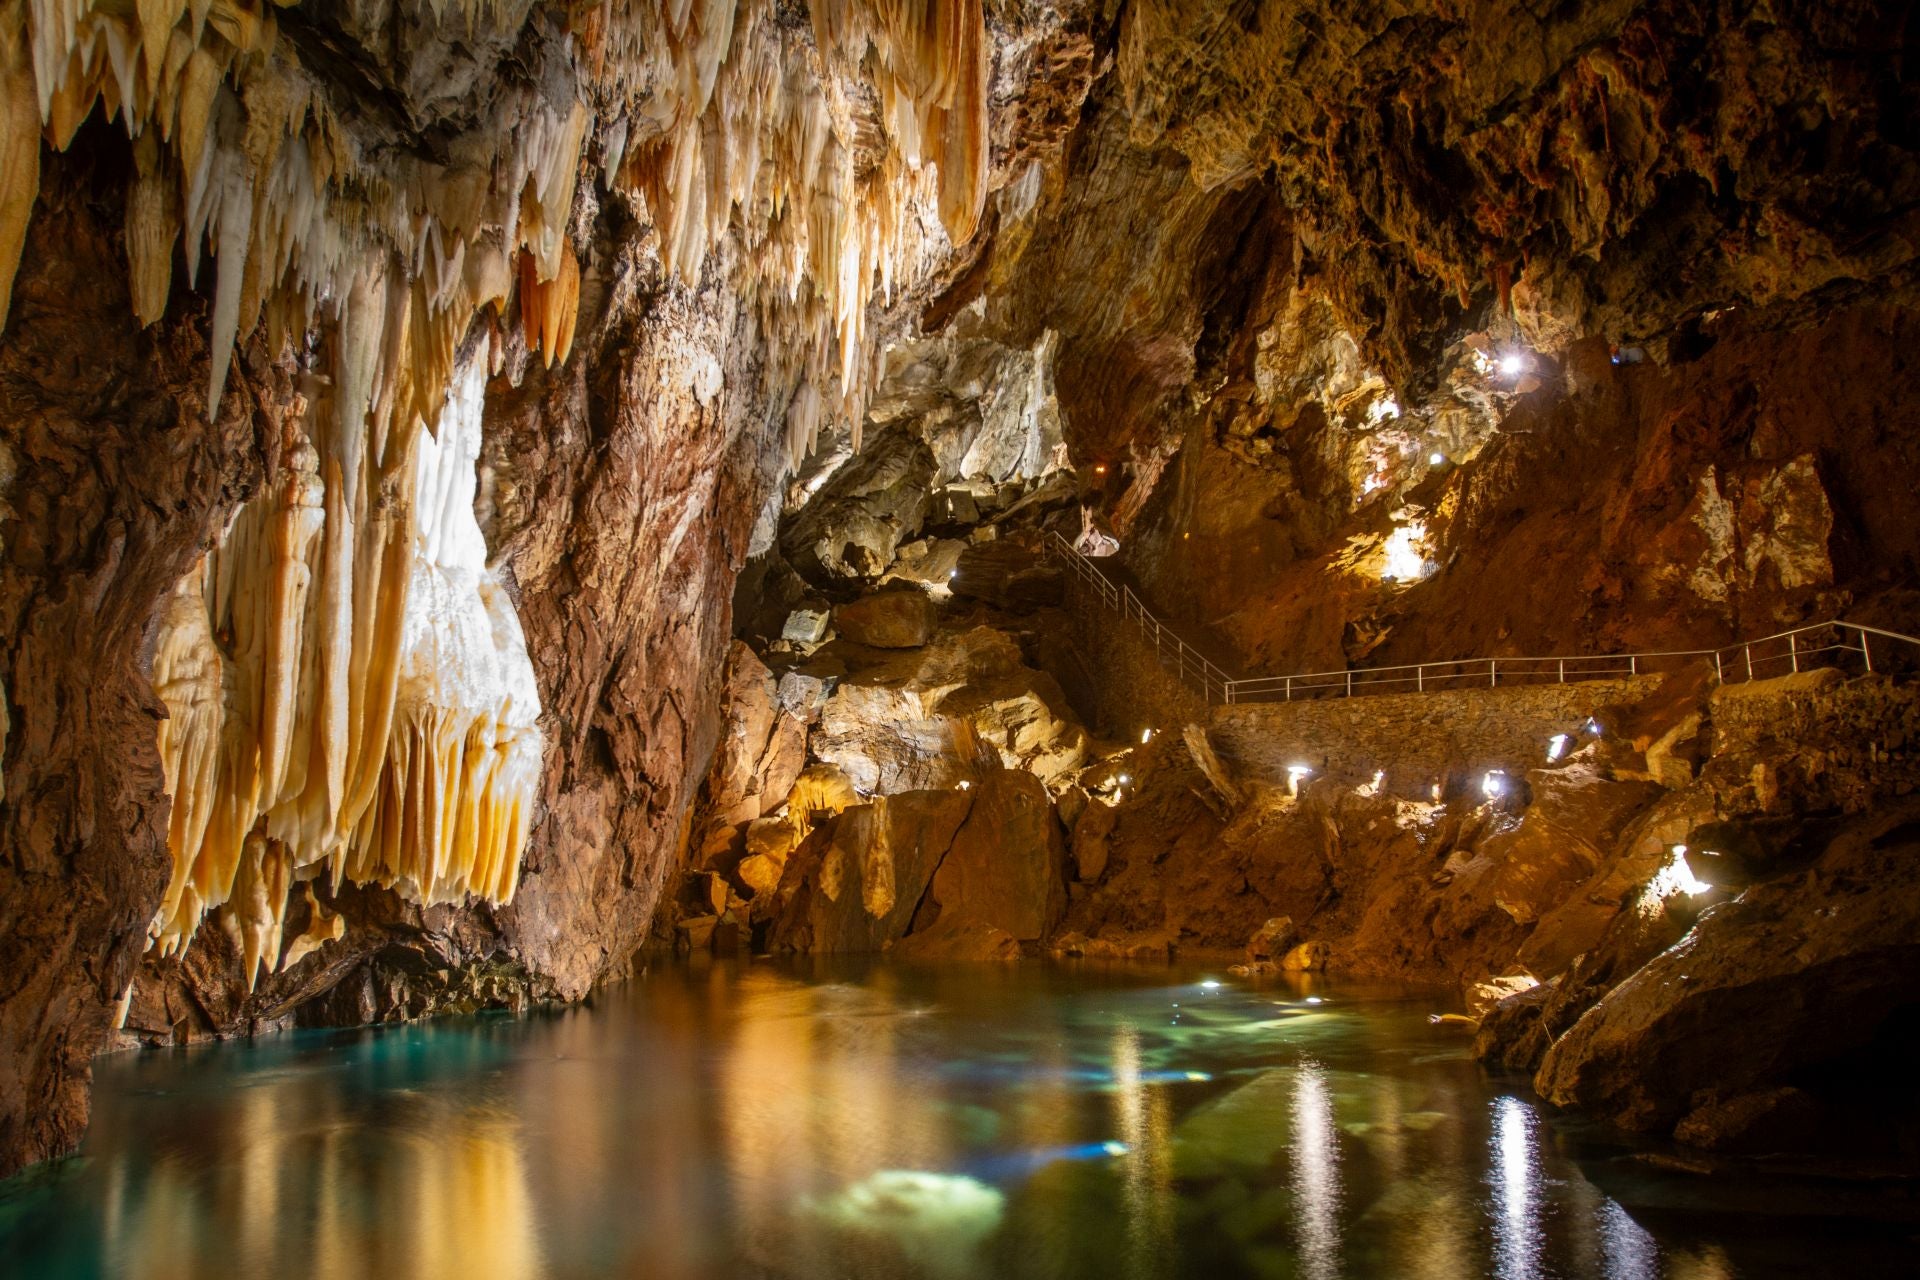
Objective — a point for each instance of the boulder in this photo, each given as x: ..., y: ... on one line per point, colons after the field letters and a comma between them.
x: 1007, y: 864
x: 803, y: 690
x: 862, y: 893
x: 1480, y: 997
x: 1009, y: 576
x: 805, y: 626
x: 1271, y: 941
x: 958, y: 940
x: 888, y: 619
x: 929, y: 564
x: 1308, y: 957
x: 1796, y: 972
x: 910, y: 720
x: 1092, y: 840
x: 1513, y: 1033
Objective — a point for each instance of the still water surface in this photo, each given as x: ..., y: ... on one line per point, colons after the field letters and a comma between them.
x: 755, y: 1120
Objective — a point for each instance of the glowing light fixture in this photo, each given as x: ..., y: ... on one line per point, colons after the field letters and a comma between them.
x: 1125, y: 778
x: 1210, y: 985
x: 1677, y: 877
x: 1557, y: 746
x: 1146, y: 736
x: 1513, y: 364
x: 1315, y: 1000
x: 1493, y: 784
x: 1115, y: 1148
x: 1295, y: 772
x: 966, y: 785
x: 1437, y: 458
x: 1593, y: 726
x: 1100, y: 470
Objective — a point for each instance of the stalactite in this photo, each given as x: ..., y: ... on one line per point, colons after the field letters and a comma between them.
x: 347, y: 688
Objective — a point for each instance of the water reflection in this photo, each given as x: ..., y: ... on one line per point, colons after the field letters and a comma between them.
x: 1316, y: 1174
x: 847, y: 1122
x: 1516, y: 1181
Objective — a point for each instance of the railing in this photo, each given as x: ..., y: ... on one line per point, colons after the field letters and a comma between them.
x: 1175, y: 654
x: 1819, y: 644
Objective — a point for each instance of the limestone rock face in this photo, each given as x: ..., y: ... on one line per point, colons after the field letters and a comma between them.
x: 114, y: 480
x: 888, y: 620
x: 1007, y: 866
x: 891, y: 726
x: 1794, y: 973
x: 873, y: 873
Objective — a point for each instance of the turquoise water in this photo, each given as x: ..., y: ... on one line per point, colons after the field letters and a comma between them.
x: 757, y: 1120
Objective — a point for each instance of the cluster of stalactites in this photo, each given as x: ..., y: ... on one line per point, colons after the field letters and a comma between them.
x: 708, y: 109
x: 753, y: 140
x: 348, y: 689
x: 237, y: 154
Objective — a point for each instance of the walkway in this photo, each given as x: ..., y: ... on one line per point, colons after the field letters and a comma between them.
x: 1848, y: 645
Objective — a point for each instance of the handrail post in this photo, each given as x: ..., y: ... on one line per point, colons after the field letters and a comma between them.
x: 1349, y: 682
x: 1633, y: 664
x: 1793, y: 651
x: 1748, y: 650
x: 1420, y: 678
x: 1493, y: 673
x: 1719, y: 676
x: 1563, y: 671
x: 1865, y: 652
x: 1289, y: 688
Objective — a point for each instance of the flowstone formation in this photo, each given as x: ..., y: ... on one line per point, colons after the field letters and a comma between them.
x: 386, y: 727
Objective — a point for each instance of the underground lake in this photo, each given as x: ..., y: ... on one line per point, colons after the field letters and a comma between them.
x: 869, y: 1120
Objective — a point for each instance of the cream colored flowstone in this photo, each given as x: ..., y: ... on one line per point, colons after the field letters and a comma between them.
x: 348, y: 693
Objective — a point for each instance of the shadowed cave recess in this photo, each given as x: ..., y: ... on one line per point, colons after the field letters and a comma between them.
x: 501, y: 496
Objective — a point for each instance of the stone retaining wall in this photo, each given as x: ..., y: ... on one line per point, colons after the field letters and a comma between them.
x: 1417, y: 738
x: 1128, y: 688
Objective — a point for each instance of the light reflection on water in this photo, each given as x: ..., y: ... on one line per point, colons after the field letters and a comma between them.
x: 855, y: 1121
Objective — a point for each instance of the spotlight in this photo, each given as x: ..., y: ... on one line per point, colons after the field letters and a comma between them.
x: 1493, y: 784
x: 1100, y: 469
x: 1146, y: 736
x: 1295, y: 772
x: 952, y: 574
x: 965, y: 785
x: 1314, y: 1000
x: 1513, y: 364
x: 1557, y: 746
x: 1125, y: 778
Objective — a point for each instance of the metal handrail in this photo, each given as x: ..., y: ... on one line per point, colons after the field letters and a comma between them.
x: 1194, y: 668
x: 1732, y: 664
x: 1784, y: 652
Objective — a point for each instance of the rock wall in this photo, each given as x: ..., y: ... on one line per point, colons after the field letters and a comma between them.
x: 115, y: 479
